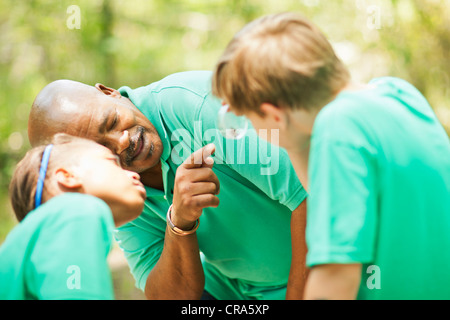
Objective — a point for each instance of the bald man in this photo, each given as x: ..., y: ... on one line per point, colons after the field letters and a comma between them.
x: 158, y: 130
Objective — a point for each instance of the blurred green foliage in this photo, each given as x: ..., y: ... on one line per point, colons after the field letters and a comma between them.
x: 137, y: 42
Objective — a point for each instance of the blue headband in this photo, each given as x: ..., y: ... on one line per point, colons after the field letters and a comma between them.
x: 42, y: 173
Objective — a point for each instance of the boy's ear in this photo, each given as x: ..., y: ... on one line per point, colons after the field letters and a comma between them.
x: 273, y: 113
x: 67, y: 179
x: 108, y: 91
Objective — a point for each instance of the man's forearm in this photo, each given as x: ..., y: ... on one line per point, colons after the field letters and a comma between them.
x: 179, y: 273
x: 333, y: 282
x: 298, y: 272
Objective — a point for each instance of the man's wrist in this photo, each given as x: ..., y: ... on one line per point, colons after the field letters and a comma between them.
x: 178, y: 227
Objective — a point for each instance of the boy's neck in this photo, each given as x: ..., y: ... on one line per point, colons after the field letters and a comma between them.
x: 309, y: 116
x: 354, y: 86
x: 302, y: 121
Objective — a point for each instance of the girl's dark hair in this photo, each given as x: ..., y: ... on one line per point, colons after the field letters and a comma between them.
x: 22, y: 188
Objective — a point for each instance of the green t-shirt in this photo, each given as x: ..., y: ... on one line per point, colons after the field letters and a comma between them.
x: 379, y: 173
x: 59, y: 252
x: 245, y: 242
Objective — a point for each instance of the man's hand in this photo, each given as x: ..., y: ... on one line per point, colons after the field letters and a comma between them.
x: 196, y: 187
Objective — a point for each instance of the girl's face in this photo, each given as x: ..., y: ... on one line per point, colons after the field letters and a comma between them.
x: 101, y: 175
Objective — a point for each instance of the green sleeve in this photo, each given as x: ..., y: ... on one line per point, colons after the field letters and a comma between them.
x: 69, y: 259
x: 342, y: 204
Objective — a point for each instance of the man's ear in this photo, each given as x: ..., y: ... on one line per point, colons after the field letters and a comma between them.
x: 108, y: 91
x: 67, y: 179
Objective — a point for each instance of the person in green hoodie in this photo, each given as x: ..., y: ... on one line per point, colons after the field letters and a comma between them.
x: 373, y: 157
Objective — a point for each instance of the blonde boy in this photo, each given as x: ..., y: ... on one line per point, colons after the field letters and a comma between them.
x: 374, y: 158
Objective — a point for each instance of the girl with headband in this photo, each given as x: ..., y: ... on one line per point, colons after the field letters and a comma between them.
x: 68, y: 197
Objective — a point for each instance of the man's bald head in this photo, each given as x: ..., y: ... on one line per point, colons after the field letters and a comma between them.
x: 54, y: 107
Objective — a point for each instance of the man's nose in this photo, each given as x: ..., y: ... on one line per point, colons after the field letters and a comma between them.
x: 117, y: 142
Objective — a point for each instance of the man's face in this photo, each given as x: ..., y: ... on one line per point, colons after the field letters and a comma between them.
x: 118, y: 125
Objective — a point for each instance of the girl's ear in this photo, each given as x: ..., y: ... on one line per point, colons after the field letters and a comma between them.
x: 67, y: 179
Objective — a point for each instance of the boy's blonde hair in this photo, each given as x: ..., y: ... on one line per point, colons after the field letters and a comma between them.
x: 22, y: 188
x: 282, y: 59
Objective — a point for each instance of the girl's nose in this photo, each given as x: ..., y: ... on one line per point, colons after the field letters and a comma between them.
x: 133, y: 175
